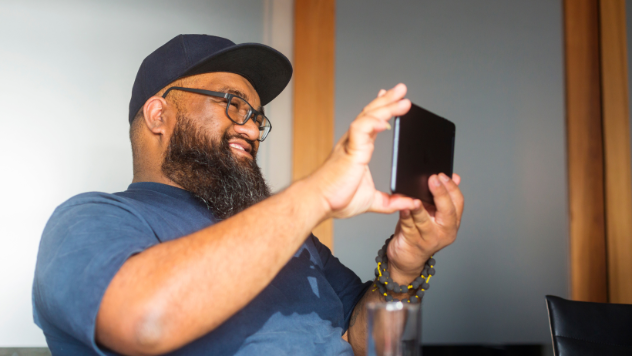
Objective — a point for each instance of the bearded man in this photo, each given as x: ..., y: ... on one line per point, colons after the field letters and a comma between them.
x: 196, y: 257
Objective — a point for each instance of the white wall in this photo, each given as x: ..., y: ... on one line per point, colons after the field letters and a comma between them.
x: 67, y: 69
x: 495, y: 68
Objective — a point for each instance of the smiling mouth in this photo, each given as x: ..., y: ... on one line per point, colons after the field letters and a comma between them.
x: 239, y: 148
x: 234, y: 145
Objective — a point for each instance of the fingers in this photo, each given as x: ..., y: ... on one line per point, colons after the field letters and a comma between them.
x: 455, y: 193
x: 386, y: 112
x: 387, y: 204
x: 362, y: 133
x: 456, y: 178
x: 374, y: 119
x: 421, y: 220
x: 364, y: 128
x: 407, y: 224
x: 446, y: 214
x: 388, y: 96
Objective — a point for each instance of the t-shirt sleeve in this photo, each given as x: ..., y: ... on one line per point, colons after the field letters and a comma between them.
x: 348, y: 286
x: 83, y: 246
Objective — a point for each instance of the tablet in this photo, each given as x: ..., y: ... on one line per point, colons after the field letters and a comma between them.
x: 423, y: 145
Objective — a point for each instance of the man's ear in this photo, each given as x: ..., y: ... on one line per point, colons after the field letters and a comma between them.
x: 154, y: 113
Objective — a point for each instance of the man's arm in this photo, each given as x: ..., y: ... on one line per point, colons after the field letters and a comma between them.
x: 177, y: 291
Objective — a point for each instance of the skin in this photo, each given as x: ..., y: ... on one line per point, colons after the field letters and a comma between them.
x: 163, y: 297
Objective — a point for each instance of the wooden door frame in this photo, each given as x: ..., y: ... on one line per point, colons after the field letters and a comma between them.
x: 598, y: 143
x: 313, y: 125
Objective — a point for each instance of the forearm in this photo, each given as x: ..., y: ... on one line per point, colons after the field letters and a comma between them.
x: 357, y: 333
x: 169, y: 294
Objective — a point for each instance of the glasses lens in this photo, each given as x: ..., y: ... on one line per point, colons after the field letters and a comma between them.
x: 264, y: 126
x: 240, y: 111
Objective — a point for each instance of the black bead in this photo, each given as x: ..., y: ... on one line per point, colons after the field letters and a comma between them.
x: 419, y: 280
x: 431, y: 271
x: 395, y: 286
x: 377, y: 273
x: 432, y: 262
x: 389, y: 298
x: 380, y: 253
x: 420, y: 293
x: 389, y: 286
x: 389, y: 280
x: 384, y: 266
x: 403, y: 289
x: 385, y: 273
x: 414, y: 299
x: 378, y: 259
x: 382, y: 279
x: 415, y: 284
x: 425, y: 286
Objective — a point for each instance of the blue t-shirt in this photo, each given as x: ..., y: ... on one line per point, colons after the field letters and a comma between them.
x: 304, y: 310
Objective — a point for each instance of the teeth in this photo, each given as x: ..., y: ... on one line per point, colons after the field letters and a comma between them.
x: 237, y: 146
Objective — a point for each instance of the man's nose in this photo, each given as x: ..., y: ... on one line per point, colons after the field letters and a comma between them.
x: 249, y: 129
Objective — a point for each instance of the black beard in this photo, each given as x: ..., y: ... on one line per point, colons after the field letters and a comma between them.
x: 224, y: 183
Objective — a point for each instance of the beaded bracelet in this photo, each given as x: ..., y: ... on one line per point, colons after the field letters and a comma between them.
x: 384, y: 282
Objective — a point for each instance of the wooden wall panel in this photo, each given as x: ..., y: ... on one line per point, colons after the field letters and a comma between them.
x: 616, y: 137
x: 585, y: 151
x: 314, y: 45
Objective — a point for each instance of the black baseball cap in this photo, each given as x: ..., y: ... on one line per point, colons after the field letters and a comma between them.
x: 267, y: 69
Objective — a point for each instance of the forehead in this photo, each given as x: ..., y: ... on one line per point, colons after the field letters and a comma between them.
x: 226, y: 82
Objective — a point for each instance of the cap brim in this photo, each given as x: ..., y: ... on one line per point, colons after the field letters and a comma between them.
x: 267, y: 69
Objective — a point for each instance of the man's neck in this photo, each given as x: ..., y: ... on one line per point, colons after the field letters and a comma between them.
x: 155, y: 178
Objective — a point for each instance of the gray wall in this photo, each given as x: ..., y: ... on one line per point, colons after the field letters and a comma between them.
x: 67, y: 69
x: 495, y: 68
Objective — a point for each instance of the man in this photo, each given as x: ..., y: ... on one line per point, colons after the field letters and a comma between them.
x: 196, y: 257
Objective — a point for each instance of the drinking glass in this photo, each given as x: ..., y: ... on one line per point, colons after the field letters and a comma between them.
x: 394, y: 329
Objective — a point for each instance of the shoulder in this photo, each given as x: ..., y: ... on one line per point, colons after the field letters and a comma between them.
x: 85, y: 204
x: 95, y: 212
x: 95, y: 198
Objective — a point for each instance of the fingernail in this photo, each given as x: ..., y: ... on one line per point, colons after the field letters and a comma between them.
x: 435, y: 182
x: 444, y: 177
x: 388, y: 126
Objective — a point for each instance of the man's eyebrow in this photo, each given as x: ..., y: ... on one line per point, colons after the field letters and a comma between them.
x: 239, y: 94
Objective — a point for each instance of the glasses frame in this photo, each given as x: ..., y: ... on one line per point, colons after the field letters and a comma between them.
x: 228, y: 97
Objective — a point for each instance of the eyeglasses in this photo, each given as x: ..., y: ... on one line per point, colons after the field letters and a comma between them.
x: 238, y: 109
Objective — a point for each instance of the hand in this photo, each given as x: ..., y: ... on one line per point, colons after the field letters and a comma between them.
x: 344, y: 180
x: 426, y: 229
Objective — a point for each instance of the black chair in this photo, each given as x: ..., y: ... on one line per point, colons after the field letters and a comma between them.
x: 587, y: 329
